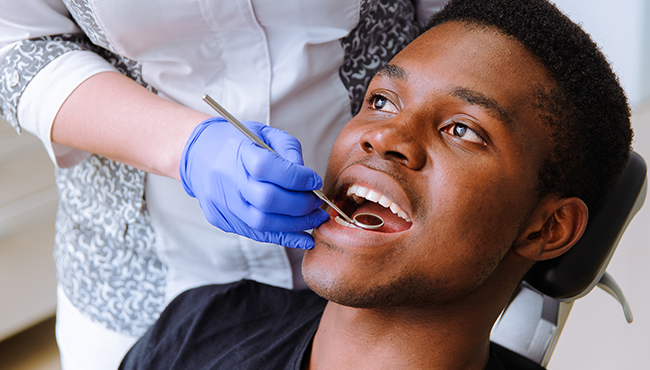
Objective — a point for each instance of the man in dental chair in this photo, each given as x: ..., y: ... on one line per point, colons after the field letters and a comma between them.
x: 486, y: 142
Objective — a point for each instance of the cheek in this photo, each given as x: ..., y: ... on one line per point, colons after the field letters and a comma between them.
x: 346, y: 143
x: 476, y: 208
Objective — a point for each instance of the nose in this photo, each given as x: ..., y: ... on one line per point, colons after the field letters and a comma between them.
x: 395, y: 142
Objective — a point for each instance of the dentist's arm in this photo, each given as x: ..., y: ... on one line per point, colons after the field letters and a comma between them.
x: 111, y: 115
x: 241, y: 188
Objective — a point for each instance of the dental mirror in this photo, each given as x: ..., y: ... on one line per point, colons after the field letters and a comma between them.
x: 369, y: 221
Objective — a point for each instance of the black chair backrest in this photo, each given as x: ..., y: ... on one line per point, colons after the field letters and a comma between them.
x: 576, y: 272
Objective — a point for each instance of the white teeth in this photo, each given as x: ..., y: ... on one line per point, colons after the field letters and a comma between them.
x: 361, y: 191
x: 372, y: 196
x: 358, y: 193
x: 352, y: 192
x: 385, y: 201
x: 342, y: 222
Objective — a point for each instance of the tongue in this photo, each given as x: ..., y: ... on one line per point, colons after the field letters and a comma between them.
x: 392, y: 222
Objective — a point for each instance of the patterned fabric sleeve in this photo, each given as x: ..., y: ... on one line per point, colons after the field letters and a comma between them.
x: 25, y: 60
x: 105, y: 255
x: 385, y: 27
x: 105, y: 251
x: 83, y: 15
x: 104, y: 247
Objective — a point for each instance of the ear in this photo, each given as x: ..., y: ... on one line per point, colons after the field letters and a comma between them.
x: 555, y: 226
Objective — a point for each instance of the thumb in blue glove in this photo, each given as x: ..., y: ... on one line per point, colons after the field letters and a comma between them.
x: 248, y: 190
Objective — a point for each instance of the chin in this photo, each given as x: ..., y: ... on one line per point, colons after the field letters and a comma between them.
x: 347, y: 296
x: 347, y: 291
x: 333, y: 287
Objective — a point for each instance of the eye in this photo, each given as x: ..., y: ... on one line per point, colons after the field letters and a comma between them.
x: 463, y: 132
x: 380, y: 102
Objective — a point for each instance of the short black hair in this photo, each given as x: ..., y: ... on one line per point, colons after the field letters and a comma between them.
x: 588, y: 113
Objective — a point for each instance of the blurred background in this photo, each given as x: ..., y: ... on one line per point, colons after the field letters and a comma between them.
x: 596, y: 335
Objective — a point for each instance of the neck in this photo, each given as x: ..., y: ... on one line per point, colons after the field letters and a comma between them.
x: 371, y: 339
x: 454, y: 335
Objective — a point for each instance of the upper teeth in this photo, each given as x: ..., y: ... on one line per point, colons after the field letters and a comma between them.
x: 358, y: 193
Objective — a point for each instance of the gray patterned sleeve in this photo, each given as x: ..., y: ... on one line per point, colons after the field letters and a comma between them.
x: 30, y: 56
x: 385, y: 27
x: 25, y: 60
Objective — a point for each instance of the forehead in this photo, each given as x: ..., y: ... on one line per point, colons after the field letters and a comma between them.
x: 482, y: 61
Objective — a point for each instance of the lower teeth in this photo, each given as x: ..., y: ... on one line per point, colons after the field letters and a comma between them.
x: 342, y: 222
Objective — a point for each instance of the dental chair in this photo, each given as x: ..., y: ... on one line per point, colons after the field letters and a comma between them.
x: 528, y: 329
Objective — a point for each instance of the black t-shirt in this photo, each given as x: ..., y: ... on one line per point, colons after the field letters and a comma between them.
x: 245, y: 325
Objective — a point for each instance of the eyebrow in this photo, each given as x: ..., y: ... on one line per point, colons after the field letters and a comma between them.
x: 392, y: 71
x: 487, y: 103
x: 468, y: 95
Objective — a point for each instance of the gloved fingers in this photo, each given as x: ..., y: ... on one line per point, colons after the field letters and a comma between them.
x: 213, y: 170
x: 299, y: 240
x: 287, y: 146
x: 263, y: 221
x: 265, y: 166
x: 287, y: 238
x: 270, y: 198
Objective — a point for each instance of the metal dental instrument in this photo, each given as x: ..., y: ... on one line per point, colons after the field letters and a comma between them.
x: 377, y: 221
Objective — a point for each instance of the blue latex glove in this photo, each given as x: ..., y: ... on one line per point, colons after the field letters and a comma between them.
x: 248, y: 190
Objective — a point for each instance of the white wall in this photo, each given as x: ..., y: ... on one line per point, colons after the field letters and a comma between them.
x: 622, y: 29
x: 28, y: 203
x: 645, y: 60
x: 596, y: 335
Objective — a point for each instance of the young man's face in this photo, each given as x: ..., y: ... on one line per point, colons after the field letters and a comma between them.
x: 449, y: 134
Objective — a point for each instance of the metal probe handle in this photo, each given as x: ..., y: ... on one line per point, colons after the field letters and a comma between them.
x: 230, y: 118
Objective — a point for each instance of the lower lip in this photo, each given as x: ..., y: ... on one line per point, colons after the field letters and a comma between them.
x: 352, y: 237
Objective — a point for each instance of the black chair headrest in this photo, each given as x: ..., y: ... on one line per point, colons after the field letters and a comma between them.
x: 576, y: 272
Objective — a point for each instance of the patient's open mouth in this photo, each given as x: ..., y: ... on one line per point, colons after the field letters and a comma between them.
x: 362, y: 199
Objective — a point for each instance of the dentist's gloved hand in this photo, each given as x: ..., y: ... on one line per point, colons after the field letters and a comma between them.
x: 248, y: 190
